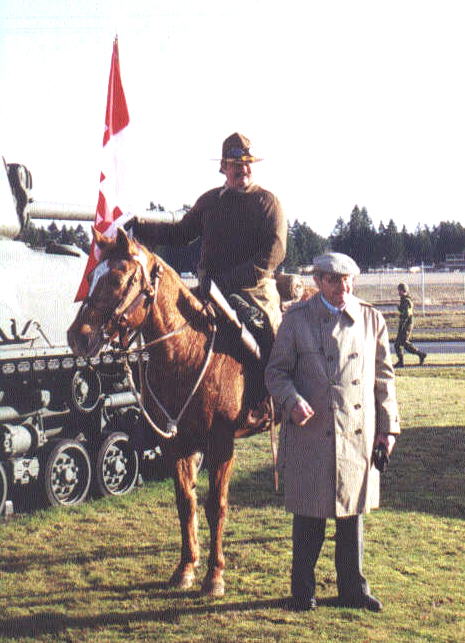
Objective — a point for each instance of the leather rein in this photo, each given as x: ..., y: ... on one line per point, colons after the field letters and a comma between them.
x: 147, y: 295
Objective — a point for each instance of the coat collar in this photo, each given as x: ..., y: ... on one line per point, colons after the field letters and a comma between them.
x: 353, y: 308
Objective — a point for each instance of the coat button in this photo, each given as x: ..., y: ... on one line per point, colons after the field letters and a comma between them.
x: 329, y: 434
x: 355, y: 382
x: 330, y: 358
x: 357, y: 406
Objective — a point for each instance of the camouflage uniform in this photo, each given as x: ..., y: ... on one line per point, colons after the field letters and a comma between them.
x: 405, y: 330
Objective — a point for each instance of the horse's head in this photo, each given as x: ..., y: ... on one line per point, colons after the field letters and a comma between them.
x: 120, y: 290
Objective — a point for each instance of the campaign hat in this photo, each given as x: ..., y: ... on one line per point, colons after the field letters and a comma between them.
x: 236, y: 148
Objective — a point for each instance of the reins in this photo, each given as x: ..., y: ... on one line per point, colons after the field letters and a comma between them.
x: 150, y: 293
x: 172, y: 423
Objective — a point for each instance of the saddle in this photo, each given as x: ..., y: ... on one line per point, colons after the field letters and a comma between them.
x: 262, y: 414
x: 247, y: 339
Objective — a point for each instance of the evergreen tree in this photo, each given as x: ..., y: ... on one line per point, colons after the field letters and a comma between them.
x: 53, y: 232
x: 392, y: 244
x: 292, y: 260
x: 339, y: 237
x: 361, y: 238
x: 447, y: 238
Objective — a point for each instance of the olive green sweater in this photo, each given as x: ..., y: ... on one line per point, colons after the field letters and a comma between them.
x: 243, y: 235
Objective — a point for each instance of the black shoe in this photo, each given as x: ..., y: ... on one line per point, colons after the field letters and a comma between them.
x: 366, y: 601
x: 297, y: 604
x: 422, y: 357
x: 399, y: 364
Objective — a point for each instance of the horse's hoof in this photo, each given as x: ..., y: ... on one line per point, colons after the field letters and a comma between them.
x: 213, y: 588
x: 182, y: 580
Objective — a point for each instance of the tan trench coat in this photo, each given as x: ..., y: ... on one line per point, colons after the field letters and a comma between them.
x: 341, y: 365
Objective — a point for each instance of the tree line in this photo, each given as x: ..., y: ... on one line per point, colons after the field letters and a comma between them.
x: 41, y: 237
x: 358, y: 237
x: 371, y: 248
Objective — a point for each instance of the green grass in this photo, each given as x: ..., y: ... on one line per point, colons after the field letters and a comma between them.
x: 439, y: 365
x: 447, y: 319
x: 432, y: 326
x: 98, y: 572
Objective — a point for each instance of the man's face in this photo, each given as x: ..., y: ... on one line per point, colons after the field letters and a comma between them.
x: 238, y: 175
x: 336, y: 289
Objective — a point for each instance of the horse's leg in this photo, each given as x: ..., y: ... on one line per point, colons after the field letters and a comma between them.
x: 185, y: 478
x: 220, y: 463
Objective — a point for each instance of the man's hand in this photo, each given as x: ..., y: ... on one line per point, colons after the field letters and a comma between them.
x: 388, y: 440
x: 301, y: 413
x: 130, y: 226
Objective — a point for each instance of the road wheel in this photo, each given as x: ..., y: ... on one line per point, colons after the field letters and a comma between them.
x: 67, y: 473
x: 116, y: 466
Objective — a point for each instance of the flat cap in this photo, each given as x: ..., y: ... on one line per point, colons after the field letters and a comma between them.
x: 335, y: 262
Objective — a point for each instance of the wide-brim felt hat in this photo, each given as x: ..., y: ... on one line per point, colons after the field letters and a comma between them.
x: 236, y: 148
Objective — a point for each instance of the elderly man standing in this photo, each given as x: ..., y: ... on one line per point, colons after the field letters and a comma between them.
x: 243, y: 235
x: 330, y: 369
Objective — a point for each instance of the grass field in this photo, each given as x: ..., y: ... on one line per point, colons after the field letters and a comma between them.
x: 98, y: 572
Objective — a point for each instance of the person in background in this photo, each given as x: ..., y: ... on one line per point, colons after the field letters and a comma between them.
x: 243, y: 235
x: 330, y: 370
x: 405, y: 328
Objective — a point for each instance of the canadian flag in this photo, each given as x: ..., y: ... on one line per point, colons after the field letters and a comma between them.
x: 109, y: 214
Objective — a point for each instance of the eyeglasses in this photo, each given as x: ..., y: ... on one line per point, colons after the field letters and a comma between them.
x: 336, y: 278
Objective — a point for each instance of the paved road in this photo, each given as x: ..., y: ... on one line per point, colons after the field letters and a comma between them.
x: 439, y: 347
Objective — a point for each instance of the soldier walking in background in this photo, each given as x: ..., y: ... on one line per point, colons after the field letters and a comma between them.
x: 405, y: 328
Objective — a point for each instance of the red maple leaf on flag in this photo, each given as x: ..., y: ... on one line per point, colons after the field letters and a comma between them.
x: 109, y: 213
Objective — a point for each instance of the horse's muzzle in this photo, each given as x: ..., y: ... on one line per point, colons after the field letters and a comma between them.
x: 85, y: 341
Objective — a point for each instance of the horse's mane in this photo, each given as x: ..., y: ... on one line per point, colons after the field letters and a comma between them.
x: 113, y: 250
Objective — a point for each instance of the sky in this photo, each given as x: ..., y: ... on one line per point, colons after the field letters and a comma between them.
x: 349, y: 102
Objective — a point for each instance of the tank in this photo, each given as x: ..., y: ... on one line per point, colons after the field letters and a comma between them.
x: 68, y: 427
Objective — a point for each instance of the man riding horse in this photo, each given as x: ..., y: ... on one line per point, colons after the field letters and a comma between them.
x: 243, y: 235
x: 192, y: 380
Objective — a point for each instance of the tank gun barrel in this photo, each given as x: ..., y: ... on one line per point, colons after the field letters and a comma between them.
x: 60, y: 211
x: 69, y: 212
x: 17, y: 205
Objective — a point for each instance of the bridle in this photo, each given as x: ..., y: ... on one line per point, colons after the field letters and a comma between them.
x: 146, y: 296
x: 132, y: 298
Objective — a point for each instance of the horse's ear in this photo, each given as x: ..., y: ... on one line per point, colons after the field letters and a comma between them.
x: 123, y: 241
x: 100, y: 239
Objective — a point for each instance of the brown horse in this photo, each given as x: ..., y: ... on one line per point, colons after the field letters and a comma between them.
x: 192, y: 376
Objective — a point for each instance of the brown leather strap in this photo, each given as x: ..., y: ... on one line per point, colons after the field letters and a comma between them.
x: 274, y: 445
